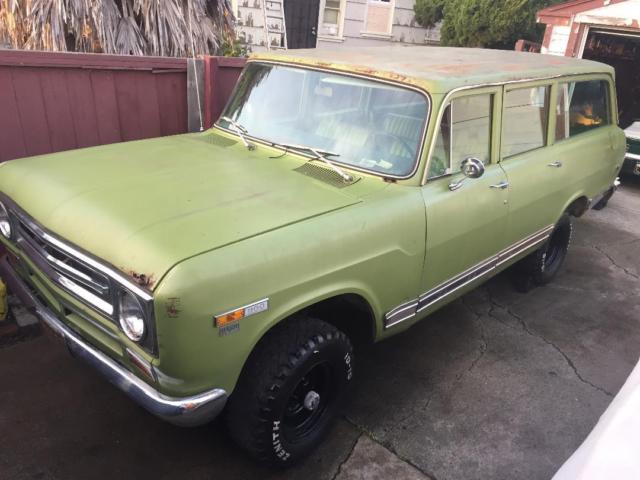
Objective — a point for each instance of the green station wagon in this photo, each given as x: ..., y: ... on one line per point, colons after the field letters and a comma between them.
x: 341, y: 197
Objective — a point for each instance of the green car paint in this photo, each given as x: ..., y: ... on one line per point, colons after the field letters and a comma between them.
x: 206, y: 225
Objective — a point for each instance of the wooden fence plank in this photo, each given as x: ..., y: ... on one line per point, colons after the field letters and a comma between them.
x: 128, y: 105
x: 106, y: 105
x: 11, y: 139
x: 58, y: 110
x: 148, y: 109
x: 33, y: 117
x: 173, y: 113
x: 51, y: 101
x: 83, y: 109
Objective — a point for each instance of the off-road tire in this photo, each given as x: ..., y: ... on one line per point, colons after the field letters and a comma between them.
x: 541, y: 266
x: 259, y: 412
x: 604, y: 200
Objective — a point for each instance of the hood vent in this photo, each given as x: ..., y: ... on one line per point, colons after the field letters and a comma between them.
x: 324, y: 175
x: 217, y: 140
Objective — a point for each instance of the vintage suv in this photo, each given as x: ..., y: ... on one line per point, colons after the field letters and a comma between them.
x: 341, y: 197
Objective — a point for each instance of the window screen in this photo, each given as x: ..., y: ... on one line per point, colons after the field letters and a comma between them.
x: 581, y: 107
x: 525, y: 120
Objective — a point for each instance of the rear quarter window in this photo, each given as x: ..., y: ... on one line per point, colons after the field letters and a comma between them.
x: 582, y: 107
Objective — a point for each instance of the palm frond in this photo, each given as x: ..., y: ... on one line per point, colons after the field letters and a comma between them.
x: 136, y: 27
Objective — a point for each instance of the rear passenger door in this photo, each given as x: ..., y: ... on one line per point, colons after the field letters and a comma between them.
x: 558, y: 143
x: 585, y: 138
x: 465, y: 225
x: 537, y: 178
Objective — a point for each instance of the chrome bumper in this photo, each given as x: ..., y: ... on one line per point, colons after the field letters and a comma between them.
x: 187, y: 411
x: 631, y: 163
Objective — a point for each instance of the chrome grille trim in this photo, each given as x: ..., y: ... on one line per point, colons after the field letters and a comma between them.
x: 112, y: 273
x: 93, y: 282
x: 90, y: 280
x: 90, y: 286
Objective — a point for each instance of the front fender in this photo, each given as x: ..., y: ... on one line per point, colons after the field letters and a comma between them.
x: 374, y: 249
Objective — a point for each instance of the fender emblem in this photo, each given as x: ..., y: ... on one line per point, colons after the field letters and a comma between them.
x: 231, y: 318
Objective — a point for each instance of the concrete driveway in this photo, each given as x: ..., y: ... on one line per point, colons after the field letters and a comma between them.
x: 497, y: 385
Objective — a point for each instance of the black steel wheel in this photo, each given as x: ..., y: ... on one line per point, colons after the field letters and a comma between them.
x: 540, y: 267
x: 290, y: 390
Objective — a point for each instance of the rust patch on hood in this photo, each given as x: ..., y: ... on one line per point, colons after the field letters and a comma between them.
x: 142, y: 279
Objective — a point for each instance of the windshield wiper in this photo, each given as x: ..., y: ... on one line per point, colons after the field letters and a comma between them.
x: 241, y: 131
x: 320, y: 154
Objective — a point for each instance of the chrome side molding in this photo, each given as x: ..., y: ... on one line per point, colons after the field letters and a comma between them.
x: 411, y: 308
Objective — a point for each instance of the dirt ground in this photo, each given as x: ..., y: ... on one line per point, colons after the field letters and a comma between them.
x: 497, y: 385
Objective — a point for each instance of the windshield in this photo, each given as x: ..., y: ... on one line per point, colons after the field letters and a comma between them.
x: 370, y: 125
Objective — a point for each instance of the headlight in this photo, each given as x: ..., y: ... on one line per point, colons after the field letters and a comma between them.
x: 131, y: 316
x: 5, y: 225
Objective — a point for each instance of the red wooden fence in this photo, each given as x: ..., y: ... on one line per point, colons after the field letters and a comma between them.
x: 220, y: 75
x: 58, y: 101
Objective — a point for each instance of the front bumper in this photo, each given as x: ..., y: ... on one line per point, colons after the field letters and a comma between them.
x: 189, y: 411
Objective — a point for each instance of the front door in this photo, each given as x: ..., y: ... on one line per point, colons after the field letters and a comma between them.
x: 301, y: 17
x: 465, y: 225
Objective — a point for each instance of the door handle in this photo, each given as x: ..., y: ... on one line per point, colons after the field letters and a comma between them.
x: 554, y: 164
x: 502, y: 185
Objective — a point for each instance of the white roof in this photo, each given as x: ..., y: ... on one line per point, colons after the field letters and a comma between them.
x: 623, y: 14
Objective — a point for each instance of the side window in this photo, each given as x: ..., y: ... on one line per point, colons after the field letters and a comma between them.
x: 526, y: 112
x: 465, y: 131
x: 581, y: 106
x: 440, y: 158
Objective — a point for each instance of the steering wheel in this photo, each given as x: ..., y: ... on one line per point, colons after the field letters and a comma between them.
x: 395, y: 140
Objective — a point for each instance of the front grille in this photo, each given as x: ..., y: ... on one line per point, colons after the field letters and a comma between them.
x: 68, y: 271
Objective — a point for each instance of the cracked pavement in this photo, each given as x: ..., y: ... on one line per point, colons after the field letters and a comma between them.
x: 498, y: 385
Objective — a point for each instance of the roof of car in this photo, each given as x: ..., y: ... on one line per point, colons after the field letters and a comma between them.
x: 439, y: 69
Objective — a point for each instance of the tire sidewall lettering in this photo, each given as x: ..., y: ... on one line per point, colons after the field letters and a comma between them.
x: 279, y: 451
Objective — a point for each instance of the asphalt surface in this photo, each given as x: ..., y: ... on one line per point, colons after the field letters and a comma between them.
x: 497, y: 385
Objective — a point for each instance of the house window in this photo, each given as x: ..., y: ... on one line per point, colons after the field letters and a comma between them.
x: 332, y: 18
x: 379, y: 17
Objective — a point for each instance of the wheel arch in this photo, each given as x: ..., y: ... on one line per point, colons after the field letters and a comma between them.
x: 578, y: 205
x: 356, y: 318
x: 349, y: 310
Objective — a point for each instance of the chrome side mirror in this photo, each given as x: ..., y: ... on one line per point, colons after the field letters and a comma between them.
x: 471, y: 168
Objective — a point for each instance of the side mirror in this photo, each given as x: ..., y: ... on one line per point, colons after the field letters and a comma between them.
x: 471, y: 168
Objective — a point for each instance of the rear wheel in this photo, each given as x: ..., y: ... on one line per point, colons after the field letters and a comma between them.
x: 604, y: 200
x: 540, y: 267
x: 290, y: 390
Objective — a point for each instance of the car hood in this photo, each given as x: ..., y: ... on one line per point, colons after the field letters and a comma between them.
x: 144, y: 206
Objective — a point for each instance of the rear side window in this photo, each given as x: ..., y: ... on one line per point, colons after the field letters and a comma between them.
x: 581, y: 107
x: 465, y: 131
x: 526, y: 112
